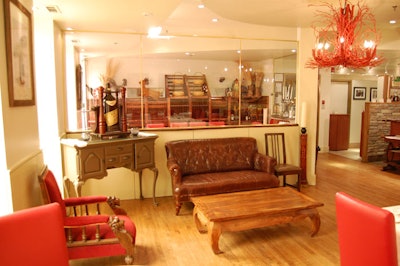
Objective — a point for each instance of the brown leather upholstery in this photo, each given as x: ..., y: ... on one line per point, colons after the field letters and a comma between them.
x: 210, y: 166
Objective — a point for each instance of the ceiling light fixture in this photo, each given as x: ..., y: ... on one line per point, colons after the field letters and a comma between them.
x: 349, y: 38
x: 154, y: 32
x: 393, y: 21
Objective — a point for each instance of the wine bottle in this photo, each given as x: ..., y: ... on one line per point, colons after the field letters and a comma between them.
x: 110, y: 110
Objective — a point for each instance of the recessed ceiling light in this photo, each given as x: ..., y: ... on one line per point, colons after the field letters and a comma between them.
x: 154, y: 32
x: 201, y: 6
x: 53, y: 9
x: 214, y: 20
x: 392, y: 21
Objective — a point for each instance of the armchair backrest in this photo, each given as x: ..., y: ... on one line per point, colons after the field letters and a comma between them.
x: 50, y: 189
x: 33, y: 236
x: 366, y: 233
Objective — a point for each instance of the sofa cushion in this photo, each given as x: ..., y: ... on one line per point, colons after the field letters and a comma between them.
x: 213, y: 183
x: 213, y: 155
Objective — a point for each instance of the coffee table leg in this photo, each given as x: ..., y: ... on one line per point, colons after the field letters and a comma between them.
x: 200, y: 226
x: 316, y: 221
x: 214, y: 232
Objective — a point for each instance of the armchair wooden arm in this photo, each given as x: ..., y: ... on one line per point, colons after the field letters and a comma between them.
x: 92, y: 235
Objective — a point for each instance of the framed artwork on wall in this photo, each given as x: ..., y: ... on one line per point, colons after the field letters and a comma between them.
x: 278, y: 77
x: 373, y: 94
x: 359, y: 93
x: 18, y: 27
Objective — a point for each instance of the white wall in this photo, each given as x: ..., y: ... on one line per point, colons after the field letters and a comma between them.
x: 357, y: 107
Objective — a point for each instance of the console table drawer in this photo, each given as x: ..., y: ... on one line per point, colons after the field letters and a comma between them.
x: 120, y: 160
x: 119, y: 149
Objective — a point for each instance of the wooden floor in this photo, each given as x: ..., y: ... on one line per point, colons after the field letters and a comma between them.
x: 166, y: 239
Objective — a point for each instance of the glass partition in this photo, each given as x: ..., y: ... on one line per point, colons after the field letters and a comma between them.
x: 195, y: 81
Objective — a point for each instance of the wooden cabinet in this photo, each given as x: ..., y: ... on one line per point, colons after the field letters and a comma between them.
x: 339, y: 132
x: 144, y: 154
x: 90, y: 162
x: 85, y: 160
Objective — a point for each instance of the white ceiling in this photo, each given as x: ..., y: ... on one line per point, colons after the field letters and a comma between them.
x: 92, y: 21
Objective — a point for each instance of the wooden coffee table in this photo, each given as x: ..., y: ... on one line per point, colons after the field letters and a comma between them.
x: 252, y: 209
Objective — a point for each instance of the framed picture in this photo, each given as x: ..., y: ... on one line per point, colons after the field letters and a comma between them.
x: 373, y: 94
x: 359, y: 93
x: 278, y: 77
x: 18, y: 26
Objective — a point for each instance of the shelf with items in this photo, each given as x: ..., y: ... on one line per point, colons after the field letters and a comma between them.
x: 218, y: 110
x: 133, y: 112
x: 178, y: 110
x: 199, y: 108
x: 189, y: 110
x: 187, y: 99
x: 175, y: 86
x: 252, y: 110
x: 197, y: 86
x: 284, y: 105
x: 155, y: 112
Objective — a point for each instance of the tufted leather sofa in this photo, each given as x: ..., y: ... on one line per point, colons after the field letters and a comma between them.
x: 210, y: 166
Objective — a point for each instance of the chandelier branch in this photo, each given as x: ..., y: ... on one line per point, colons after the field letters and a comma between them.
x: 345, y: 36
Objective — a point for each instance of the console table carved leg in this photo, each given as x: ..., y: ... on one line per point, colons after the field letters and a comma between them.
x: 77, y: 187
x: 155, y: 171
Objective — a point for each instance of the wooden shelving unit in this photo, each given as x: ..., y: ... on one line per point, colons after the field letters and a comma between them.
x: 188, y: 102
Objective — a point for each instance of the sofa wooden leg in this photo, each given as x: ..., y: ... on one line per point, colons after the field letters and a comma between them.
x: 178, y: 208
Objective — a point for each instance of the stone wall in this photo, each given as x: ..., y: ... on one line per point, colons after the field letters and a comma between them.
x: 377, y: 122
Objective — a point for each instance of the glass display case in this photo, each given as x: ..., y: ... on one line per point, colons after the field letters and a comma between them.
x: 221, y: 81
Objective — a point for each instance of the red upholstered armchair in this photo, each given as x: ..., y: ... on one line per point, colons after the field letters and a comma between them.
x: 366, y: 233
x: 91, y: 235
x: 33, y: 236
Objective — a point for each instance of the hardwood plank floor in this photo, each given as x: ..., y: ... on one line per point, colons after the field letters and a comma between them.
x: 166, y: 239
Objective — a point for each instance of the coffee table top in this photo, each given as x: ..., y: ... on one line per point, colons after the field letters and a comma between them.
x: 237, y: 205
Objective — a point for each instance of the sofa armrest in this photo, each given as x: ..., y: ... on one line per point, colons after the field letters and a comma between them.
x: 264, y: 163
x: 175, y: 171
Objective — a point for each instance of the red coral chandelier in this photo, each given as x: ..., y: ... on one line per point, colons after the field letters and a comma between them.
x: 349, y: 38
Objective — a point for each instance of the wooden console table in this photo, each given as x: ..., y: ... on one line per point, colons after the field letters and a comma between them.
x: 84, y: 160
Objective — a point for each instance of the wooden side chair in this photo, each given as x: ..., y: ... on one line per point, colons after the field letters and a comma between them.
x: 275, y: 147
x: 33, y: 236
x: 89, y: 234
x: 367, y: 234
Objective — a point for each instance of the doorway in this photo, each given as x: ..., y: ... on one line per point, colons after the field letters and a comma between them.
x: 341, y: 104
